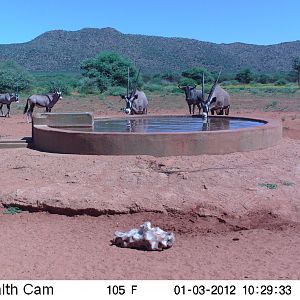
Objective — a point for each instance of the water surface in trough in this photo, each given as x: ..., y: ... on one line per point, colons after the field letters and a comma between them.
x: 170, y: 124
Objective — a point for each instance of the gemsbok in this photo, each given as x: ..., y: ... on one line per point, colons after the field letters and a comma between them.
x: 218, y: 100
x: 136, y: 101
x: 8, y: 99
x: 47, y: 101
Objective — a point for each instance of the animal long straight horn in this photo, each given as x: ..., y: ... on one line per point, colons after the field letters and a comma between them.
x: 213, y: 88
x: 136, y: 83
x: 127, y: 82
x: 203, y: 93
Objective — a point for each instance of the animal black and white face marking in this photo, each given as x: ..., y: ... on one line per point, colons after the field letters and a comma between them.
x: 129, y: 101
x: 206, y: 106
x: 59, y: 94
x: 14, y: 97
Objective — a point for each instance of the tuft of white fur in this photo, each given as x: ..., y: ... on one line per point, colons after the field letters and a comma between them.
x: 144, y: 238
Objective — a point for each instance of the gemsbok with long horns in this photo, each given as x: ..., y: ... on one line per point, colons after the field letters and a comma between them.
x: 136, y: 101
x: 218, y: 99
x: 8, y: 99
x: 47, y: 101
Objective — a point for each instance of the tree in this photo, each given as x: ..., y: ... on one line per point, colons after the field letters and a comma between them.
x: 108, y: 69
x: 244, y: 76
x: 195, y: 73
x: 13, y: 77
x: 171, y: 76
x: 263, y: 78
x: 187, y: 81
x: 296, y: 67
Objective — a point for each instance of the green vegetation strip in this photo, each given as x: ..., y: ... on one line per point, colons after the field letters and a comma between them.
x: 270, y: 186
x: 12, y: 210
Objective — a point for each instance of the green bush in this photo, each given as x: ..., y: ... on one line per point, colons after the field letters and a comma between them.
x: 172, y: 89
x: 187, y: 81
x: 88, y: 86
x: 14, y: 78
x: 108, y: 69
x: 153, y: 87
x: 196, y: 74
x: 270, y: 186
x: 263, y: 78
x: 171, y: 77
x: 244, y: 76
x: 281, y: 81
x: 230, y: 82
x: 116, y: 91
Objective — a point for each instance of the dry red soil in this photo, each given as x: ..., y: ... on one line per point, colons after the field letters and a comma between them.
x: 228, y: 223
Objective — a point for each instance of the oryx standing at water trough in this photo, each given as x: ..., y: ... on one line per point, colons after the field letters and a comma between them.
x: 136, y: 101
x: 8, y: 99
x: 218, y: 100
x: 193, y: 97
x: 47, y: 101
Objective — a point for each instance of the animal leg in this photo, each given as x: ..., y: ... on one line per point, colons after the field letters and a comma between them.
x: 190, y: 108
x: 29, y: 113
x: 199, y: 107
x: 193, y: 109
x: 1, y: 109
x: 212, y: 111
x: 8, y: 110
x: 220, y: 112
x: 227, y: 111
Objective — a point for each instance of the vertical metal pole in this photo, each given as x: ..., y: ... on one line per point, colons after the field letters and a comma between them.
x: 128, y: 82
x: 203, y: 92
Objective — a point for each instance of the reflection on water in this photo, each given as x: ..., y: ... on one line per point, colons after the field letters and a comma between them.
x: 137, y: 125
x: 223, y: 124
x: 171, y: 124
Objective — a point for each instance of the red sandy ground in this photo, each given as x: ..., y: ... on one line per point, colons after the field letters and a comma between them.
x: 227, y: 225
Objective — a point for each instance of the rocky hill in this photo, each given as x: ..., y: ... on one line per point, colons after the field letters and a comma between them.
x: 61, y: 50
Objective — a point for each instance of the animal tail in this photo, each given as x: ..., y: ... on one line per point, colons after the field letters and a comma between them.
x: 26, y: 107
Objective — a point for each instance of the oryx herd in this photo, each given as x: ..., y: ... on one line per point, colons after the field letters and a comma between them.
x: 218, y: 100
x: 47, y: 101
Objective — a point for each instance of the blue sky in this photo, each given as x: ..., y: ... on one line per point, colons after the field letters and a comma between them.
x: 221, y: 21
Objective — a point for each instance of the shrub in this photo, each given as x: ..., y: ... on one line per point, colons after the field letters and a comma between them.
x: 88, y: 86
x: 263, y: 78
x: 187, y: 81
x: 230, y: 82
x: 245, y: 76
x: 153, y: 87
x: 108, y: 69
x: 281, y: 81
x: 196, y: 74
x: 13, y: 77
x: 116, y: 91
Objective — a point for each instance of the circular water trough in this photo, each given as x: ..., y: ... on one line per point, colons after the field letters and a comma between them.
x: 155, y: 135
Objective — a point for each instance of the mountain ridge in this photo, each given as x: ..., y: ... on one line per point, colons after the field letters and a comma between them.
x: 61, y: 50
